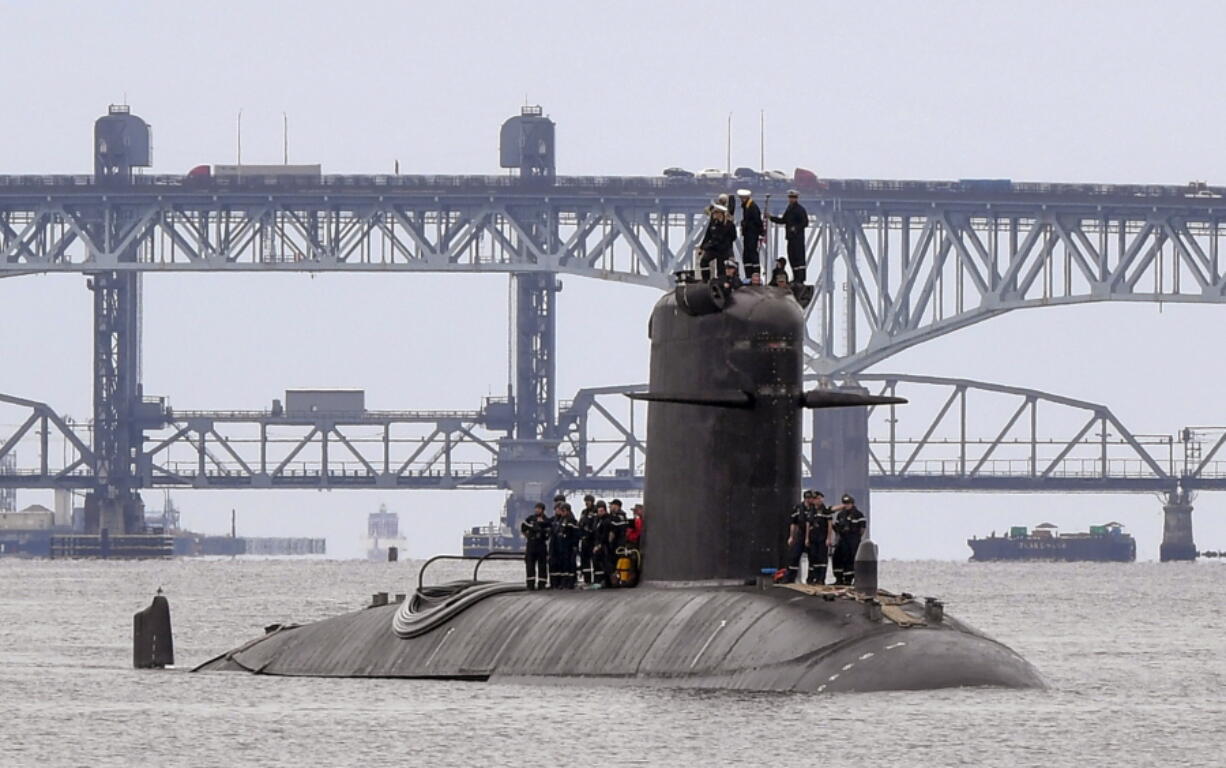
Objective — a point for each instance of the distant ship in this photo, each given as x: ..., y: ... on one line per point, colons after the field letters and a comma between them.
x: 1103, y: 543
x: 480, y: 540
x: 382, y: 533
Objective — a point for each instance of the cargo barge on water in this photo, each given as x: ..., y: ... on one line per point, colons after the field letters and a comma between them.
x: 1103, y: 543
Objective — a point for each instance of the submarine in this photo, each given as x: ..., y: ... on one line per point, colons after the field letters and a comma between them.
x: 725, y: 400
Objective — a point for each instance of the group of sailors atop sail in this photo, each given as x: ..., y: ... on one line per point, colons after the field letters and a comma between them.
x: 602, y: 545
x: 720, y: 238
x: 825, y: 534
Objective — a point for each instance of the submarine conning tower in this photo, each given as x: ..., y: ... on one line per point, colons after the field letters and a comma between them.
x: 723, y: 423
x: 724, y: 470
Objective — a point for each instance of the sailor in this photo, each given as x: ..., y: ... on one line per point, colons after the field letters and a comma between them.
x: 717, y: 243
x: 634, y: 533
x: 794, y: 220
x: 563, y: 542
x: 536, y: 547
x: 732, y: 280
x: 797, y: 524
x: 818, y: 546
x: 619, y: 526
x: 755, y: 278
x: 849, y: 524
x: 752, y: 230
x: 600, y: 545
x: 779, y: 278
x: 587, y: 521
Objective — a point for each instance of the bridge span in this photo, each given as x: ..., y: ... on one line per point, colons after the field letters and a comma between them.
x: 895, y: 263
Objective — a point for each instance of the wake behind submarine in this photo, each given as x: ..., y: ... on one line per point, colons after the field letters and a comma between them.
x: 725, y: 402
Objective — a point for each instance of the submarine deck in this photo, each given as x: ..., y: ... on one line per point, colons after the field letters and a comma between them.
x: 779, y: 638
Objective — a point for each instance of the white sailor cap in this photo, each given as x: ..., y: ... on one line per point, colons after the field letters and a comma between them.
x: 743, y: 193
x: 720, y: 208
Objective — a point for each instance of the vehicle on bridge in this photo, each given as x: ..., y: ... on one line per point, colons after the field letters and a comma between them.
x: 256, y: 174
x: 806, y: 180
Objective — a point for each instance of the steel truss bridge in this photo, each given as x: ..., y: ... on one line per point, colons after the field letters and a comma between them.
x: 957, y: 435
x: 895, y: 263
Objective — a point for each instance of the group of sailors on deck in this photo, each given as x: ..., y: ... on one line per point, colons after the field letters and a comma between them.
x: 601, y: 546
x: 827, y: 535
x: 716, y: 251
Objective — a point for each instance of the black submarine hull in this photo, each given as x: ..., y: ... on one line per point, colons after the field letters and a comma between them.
x: 753, y: 639
x: 724, y: 424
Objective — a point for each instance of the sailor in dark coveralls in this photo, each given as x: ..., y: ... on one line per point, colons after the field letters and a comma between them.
x: 587, y: 523
x: 818, y: 545
x: 797, y: 525
x: 563, y: 544
x: 601, y: 558
x: 794, y: 220
x: 717, y: 243
x: 849, y: 524
x: 536, y: 547
x: 619, y: 524
x: 752, y: 230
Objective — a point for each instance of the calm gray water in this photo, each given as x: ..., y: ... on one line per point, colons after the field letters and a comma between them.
x: 1134, y: 655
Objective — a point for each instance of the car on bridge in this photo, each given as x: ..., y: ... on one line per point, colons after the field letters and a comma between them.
x: 250, y: 175
x: 712, y: 173
x: 747, y: 174
x: 805, y: 180
x: 678, y: 173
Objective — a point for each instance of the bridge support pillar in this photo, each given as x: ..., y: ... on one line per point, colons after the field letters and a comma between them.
x: 1177, y: 543
x: 530, y: 470
x: 528, y: 464
x: 114, y: 504
x: 840, y: 452
x: 535, y: 353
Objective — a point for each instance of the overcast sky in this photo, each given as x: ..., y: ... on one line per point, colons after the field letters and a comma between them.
x: 1105, y: 92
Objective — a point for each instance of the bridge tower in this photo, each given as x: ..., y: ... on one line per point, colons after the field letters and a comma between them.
x: 528, y: 458
x: 121, y: 143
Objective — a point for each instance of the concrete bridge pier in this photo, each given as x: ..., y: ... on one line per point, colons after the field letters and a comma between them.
x: 839, y: 453
x: 1177, y: 543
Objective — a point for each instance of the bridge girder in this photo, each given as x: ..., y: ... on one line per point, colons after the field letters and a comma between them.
x: 956, y: 435
x: 890, y: 279
x: 892, y: 268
